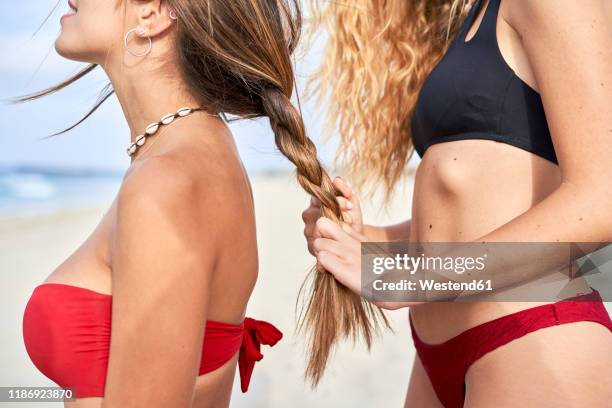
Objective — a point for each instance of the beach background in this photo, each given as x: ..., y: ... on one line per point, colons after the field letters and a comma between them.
x: 54, y: 191
x: 32, y: 245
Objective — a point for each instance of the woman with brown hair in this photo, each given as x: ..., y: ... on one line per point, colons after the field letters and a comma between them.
x: 142, y: 314
x: 508, y: 103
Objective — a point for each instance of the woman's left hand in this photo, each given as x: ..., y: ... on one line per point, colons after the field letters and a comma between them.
x: 339, y: 252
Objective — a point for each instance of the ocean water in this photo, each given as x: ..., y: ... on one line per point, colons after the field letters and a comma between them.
x: 30, y: 190
x: 26, y: 190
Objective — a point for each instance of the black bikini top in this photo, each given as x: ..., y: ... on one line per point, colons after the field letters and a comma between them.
x: 472, y: 93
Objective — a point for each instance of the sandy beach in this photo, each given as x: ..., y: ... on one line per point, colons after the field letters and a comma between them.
x: 32, y: 246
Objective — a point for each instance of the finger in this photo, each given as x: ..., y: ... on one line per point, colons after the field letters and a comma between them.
x: 344, y: 188
x: 329, y: 262
x: 349, y: 230
x: 310, y: 215
x: 340, y: 270
x: 314, y: 202
x: 310, y: 247
x: 309, y: 231
x: 347, y: 193
x: 345, y: 204
x: 352, y: 233
x: 328, y: 245
x: 329, y: 229
x: 347, y: 217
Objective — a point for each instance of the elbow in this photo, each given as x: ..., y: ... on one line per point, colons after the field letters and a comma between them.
x: 595, y: 202
x: 604, y: 216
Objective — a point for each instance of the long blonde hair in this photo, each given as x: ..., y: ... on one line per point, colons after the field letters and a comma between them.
x: 378, y: 54
x: 377, y: 57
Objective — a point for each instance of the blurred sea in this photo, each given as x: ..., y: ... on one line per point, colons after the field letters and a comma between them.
x: 26, y: 190
x: 32, y: 190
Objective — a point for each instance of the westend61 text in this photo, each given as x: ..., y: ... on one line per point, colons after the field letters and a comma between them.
x: 428, y: 284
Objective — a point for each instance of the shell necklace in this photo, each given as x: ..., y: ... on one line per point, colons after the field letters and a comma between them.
x: 154, y: 127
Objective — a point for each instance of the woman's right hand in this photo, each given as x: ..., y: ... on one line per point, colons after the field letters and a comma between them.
x: 351, y: 212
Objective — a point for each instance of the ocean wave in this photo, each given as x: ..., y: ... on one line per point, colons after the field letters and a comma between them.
x: 32, y: 192
x: 26, y: 186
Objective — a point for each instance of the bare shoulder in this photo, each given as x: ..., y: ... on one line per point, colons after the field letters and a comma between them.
x: 527, y: 16
x: 161, y: 198
x: 196, y: 193
x: 159, y: 184
x: 568, y: 43
x: 156, y: 175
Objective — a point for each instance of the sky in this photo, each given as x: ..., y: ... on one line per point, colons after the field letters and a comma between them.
x: 28, y: 62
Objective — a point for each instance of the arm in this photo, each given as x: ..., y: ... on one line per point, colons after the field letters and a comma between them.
x: 353, y: 214
x: 569, y: 46
x: 395, y: 232
x: 350, y: 205
x: 161, y: 267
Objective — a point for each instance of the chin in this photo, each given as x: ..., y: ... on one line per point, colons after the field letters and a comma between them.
x: 69, y: 50
x: 71, y: 47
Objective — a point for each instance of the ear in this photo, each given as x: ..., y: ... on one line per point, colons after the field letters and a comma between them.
x: 155, y: 17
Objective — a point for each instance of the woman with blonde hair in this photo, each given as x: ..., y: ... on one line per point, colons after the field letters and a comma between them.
x: 509, y: 105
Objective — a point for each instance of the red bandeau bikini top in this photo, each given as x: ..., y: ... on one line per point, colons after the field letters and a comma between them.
x: 66, y: 331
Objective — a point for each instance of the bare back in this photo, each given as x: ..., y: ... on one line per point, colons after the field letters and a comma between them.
x: 235, y: 273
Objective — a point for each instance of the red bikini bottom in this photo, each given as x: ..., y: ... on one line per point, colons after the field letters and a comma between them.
x: 447, y: 363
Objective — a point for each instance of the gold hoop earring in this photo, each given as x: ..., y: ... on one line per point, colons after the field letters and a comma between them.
x: 140, y: 31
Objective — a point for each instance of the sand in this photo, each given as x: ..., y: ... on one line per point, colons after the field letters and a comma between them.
x: 32, y: 246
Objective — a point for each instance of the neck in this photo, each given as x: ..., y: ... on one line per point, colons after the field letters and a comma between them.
x: 146, y: 94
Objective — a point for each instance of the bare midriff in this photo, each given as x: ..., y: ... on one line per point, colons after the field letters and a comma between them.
x: 463, y: 191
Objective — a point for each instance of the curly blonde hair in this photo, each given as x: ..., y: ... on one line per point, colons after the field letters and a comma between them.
x: 378, y: 54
